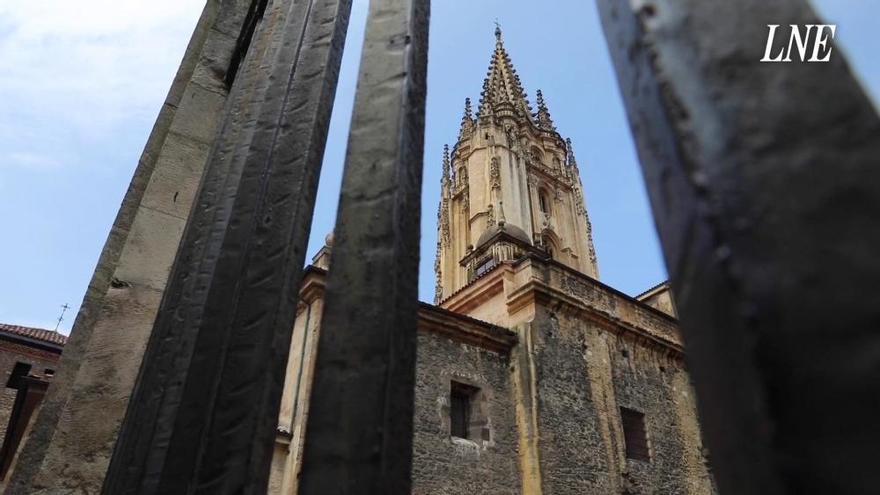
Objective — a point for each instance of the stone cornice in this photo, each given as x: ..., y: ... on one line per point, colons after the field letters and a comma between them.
x: 552, y: 283
x: 465, y: 329
x: 449, y: 324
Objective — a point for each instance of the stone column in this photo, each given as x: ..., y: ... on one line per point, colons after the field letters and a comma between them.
x: 204, y: 412
x: 70, y: 445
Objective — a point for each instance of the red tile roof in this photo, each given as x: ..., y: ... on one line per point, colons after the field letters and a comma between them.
x: 34, y: 333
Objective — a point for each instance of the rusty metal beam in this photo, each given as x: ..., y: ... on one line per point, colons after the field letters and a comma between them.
x: 204, y: 412
x: 765, y: 188
x: 359, y: 430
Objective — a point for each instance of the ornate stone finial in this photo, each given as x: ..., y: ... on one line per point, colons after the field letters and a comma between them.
x: 570, y: 154
x: 446, y: 162
x: 543, y: 114
x: 497, y: 31
x: 322, y: 258
x: 467, y: 121
x: 501, y: 219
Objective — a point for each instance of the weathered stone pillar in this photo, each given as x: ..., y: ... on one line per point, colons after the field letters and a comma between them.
x: 69, y: 448
x: 204, y: 412
x: 765, y: 188
x: 526, y: 392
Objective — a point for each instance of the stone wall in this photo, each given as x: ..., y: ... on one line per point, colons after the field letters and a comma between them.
x: 574, y: 450
x: 586, y: 371
x: 446, y: 465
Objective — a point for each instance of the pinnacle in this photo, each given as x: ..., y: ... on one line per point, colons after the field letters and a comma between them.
x: 446, y: 165
x: 543, y: 115
x: 467, y: 120
x: 571, y: 161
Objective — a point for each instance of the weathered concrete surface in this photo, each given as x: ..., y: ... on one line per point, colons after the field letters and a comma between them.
x: 359, y: 433
x: 765, y: 190
x: 70, y: 446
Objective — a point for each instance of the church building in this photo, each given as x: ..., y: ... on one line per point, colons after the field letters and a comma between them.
x: 533, y: 377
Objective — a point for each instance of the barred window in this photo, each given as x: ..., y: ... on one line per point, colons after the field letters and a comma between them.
x: 460, y: 409
x: 634, y: 434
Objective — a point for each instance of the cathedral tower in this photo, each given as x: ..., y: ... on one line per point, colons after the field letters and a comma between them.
x: 510, y: 186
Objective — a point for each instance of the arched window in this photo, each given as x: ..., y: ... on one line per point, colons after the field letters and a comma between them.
x: 550, y: 246
x: 544, y: 202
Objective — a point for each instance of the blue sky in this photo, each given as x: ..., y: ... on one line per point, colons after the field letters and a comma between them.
x: 81, y: 84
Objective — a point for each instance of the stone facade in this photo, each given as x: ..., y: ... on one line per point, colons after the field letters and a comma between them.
x: 528, y: 363
x: 441, y: 462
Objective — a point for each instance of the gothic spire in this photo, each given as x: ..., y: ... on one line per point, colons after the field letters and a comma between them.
x: 446, y: 165
x: 571, y: 162
x: 467, y: 120
x: 502, y: 84
x: 542, y: 116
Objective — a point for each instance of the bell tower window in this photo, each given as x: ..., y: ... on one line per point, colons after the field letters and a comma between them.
x: 544, y: 203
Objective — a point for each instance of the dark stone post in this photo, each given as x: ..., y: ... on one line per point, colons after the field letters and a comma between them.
x: 359, y: 430
x: 31, y: 390
x: 203, y: 415
x: 765, y: 187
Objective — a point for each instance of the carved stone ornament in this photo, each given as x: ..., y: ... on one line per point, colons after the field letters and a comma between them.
x: 444, y: 224
x: 495, y: 173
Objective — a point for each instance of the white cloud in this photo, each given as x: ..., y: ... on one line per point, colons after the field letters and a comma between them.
x: 84, y: 67
x: 30, y: 160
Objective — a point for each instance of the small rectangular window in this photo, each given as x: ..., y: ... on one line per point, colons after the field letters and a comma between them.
x: 634, y: 434
x: 460, y: 399
x: 20, y: 370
